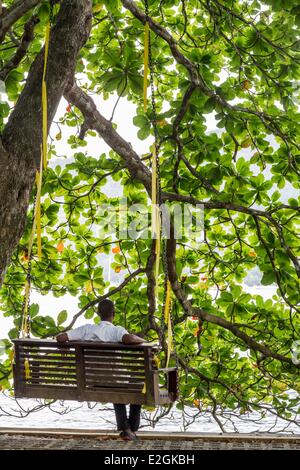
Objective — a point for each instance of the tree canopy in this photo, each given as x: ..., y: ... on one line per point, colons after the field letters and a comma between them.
x: 237, y: 61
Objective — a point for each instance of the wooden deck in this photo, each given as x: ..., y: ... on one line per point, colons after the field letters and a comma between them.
x: 76, y: 439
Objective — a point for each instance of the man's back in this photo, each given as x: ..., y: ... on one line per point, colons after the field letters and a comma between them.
x: 105, y: 331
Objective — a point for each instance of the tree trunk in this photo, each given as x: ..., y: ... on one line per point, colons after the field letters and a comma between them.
x: 16, y: 180
x: 22, y: 136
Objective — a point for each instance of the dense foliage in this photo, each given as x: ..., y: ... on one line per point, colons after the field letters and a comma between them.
x: 239, y: 62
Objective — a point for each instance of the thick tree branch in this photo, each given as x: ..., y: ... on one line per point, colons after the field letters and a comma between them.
x: 166, y: 196
x: 251, y: 343
x: 94, y: 120
x: 72, y: 28
x: 13, y: 14
x: 22, y: 49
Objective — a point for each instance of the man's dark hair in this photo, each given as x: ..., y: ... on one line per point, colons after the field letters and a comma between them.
x: 106, y: 309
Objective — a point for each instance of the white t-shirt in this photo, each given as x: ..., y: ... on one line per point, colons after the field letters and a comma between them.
x: 105, y: 331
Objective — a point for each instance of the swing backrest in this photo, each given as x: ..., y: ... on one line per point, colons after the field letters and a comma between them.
x: 86, y: 371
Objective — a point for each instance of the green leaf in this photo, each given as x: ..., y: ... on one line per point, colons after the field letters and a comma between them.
x: 297, y: 20
x: 62, y: 317
x: 268, y: 278
x: 136, y: 83
x: 34, y: 310
x: 293, y: 202
x: 43, y: 12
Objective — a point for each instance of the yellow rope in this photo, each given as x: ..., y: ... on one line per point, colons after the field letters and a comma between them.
x: 39, y: 179
x: 146, y: 63
x: 44, y: 96
x: 155, y: 218
x: 11, y: 355
x: 156, y: 361
x: 170, y: 341
x: 27, y: 369
x: 24, y: 327
x: 31, y: 239
x: 154, y: 191
x: 157, y: 252
x: 168, y: 306
x: 168, y: 302
x: 36, y: 226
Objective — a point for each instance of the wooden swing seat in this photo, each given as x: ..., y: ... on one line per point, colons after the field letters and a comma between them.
x: 91, y: 371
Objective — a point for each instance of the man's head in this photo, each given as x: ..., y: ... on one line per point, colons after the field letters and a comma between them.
x: 106, y: 310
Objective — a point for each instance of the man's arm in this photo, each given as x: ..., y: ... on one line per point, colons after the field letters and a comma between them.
x: 132, y: 339
x: 79, y: 334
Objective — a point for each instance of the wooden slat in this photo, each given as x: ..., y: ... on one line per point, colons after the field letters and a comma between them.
x: 114, y: 367
x: 104, y: 357
x: 117, y: 373
x: 129, y: 387
x: 116, y: 359
x: 107, y: 382
x: 46, y: 375
x: 106, y: 395
x: 106, y: 345
x: 111, y: 353
x: 112, y: 396
x: 54, y: 354
x: 115, y: 383
x: 55, y: 392
x: 49, y: 358
x: 114, y: 390
x: 114, y: 380
x: 88, y: 359
x: 138, y: 360
x: 54, y: 377
x: 50, y: 381
x: 117, y: 363
x: 86, y: 344
x: 39, y: 368
x: 122, y: 360
x: 48, y: 363
x: 48, y: 351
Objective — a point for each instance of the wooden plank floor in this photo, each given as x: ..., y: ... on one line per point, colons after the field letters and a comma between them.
x: 38, y: 438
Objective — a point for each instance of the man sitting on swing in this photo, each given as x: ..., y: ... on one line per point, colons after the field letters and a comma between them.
x: 108, y: 332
